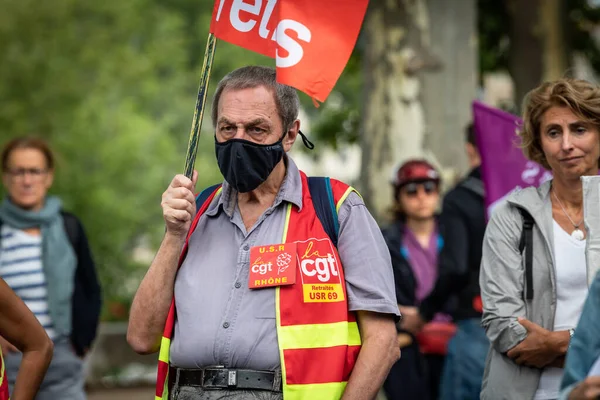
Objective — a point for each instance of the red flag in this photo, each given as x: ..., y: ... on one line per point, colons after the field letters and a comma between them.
x: 311, y: 40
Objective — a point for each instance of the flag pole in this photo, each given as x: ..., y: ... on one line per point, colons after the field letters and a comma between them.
x: 192, y: 149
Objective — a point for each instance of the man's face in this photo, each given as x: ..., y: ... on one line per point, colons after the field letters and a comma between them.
x: 249, y: 114
x: 27, y: 178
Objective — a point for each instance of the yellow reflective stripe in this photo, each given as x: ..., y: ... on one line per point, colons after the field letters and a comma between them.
x: 1, y: 372
x: 313, y: 391
x: 318, y: 335
x: 165, y: 344
x: 279, y: 327
x: 345, y: 196
x: 286, y: 225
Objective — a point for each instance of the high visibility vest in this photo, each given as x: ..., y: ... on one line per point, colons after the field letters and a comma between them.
x: 318, y: 338
x: 4, y: 395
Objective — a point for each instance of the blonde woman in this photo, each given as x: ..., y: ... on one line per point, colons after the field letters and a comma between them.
x: 532, y: 298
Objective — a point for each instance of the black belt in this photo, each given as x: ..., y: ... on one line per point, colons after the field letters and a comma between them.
x: 225, y: 378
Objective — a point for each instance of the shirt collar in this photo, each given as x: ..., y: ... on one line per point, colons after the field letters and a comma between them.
x: 290, y: 191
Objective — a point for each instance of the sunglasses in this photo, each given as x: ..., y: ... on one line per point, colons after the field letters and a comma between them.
x: 411, y: 189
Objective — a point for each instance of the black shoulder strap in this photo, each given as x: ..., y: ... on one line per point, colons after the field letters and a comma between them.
x: 474, y: 185
x: 72, y: 228
x: 526, y: 244
x: 204, y: 195
x: 324, y: 204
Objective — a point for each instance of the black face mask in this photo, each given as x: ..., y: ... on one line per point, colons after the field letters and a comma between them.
x: 244, y: 164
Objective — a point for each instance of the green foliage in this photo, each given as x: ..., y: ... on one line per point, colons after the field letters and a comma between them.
x: 584, y: 22
x: 337, y: 121
x: 493, y: 25
x: 112, y: 86
x: 581, y: 21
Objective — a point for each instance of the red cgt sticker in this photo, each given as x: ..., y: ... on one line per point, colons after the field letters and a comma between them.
x: 273, y: 265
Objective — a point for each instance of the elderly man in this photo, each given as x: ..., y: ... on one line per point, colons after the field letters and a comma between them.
x: 267, y: 305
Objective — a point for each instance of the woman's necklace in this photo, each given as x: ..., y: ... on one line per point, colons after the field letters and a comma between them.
x: 577, y: 234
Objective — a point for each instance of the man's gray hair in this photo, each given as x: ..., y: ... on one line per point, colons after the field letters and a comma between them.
x: 286, y: 97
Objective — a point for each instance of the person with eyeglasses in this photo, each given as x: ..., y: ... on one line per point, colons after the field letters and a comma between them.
x: 414, y: 242
x: 46, y: 260
x: 462, y: 226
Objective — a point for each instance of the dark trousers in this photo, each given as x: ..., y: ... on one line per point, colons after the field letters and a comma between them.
x: 415, y: 376
x: 465, y: 362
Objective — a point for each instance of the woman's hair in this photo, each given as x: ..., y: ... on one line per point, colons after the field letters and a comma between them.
x: 581, y: 97
x: 27, y: 143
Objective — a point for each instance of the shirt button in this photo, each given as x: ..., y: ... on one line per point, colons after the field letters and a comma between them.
x: 238, y: 285
x: 246, y: 248
x: 226, y: 325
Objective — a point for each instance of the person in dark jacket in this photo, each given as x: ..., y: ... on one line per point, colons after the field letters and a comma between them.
x: 463, y: 226
x: 46, y: 260
x: 414, y: 243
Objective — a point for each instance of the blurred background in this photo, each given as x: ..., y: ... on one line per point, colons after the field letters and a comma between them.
x: 112, y: 85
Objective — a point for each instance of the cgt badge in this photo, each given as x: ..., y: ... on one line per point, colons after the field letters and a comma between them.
x: 273, y: 265
x: 320, y: 271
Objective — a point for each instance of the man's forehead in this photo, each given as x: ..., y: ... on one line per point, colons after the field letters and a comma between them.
x: 26, y: 156
x: 247, y: 105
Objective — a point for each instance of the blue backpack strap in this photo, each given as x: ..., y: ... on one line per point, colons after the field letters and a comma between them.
x: 204, y: 195
x: 324, y: 204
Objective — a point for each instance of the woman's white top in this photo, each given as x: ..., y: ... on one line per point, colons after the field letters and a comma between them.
x: 571, y: 291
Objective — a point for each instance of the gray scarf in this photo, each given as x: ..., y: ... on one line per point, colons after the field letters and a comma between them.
x: 58, y: 257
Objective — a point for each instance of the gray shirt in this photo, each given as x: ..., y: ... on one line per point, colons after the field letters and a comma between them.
x: 220, y: 321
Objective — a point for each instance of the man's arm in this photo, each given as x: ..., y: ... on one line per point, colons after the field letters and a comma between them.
x: 378, y: 353
x: 20, y: 327
x: 152, y: 301
x: 370, y: 287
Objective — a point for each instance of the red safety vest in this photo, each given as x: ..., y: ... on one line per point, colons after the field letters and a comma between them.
x: 4, y: 395
x: 318, y: 337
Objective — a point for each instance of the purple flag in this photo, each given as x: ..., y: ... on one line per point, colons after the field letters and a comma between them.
x: 503, y: 165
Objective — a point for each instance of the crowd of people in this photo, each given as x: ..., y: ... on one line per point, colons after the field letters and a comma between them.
x: 277, y: 285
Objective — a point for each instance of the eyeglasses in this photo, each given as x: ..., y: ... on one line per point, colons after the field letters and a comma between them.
x: 411, y: 189
x: 35, y: 173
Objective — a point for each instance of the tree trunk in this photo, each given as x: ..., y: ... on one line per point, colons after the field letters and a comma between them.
x: 556, y: 58
x: 392, y: 116
x: 538, y: 50
x: 448, y: 94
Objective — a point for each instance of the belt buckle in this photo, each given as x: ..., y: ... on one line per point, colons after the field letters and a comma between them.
x: 231, y: 378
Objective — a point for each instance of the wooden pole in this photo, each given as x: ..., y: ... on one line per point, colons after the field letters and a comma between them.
x: 192, y: 149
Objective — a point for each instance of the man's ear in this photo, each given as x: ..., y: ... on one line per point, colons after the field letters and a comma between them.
x: 290, y: 137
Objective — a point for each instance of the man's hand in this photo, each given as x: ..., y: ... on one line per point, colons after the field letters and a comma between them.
x: 588, y: 389
x: 411, y: 319
x: 539, y: 349
x: 7, y: 348
x: 179, y: 204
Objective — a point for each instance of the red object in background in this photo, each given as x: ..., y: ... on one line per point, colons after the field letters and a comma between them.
x: 311, y: 40
x: 477, y: 304
x: 434, y: 337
